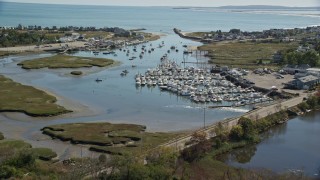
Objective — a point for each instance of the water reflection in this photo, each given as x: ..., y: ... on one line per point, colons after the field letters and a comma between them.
x: 115, y: 99
x: 290, y: 147
x: 242, y: 155
x: 274, y: 131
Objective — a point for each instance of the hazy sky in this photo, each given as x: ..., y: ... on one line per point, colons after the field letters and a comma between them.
x: 212, y: 3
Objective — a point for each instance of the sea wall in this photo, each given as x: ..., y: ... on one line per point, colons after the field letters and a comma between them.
x: 178, y: 32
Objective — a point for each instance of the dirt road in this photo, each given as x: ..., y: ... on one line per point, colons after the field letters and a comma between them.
x: 33, y: 48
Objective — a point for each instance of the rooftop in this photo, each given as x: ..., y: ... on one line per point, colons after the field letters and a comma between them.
x: 308, y: 78
x: 314, y: 69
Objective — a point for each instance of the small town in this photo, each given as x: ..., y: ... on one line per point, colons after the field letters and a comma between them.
x: 159, y: 90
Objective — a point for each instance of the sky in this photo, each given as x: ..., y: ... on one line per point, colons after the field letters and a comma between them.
x: 197, y: 3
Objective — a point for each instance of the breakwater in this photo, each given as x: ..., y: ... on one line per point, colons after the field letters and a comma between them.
x: 178, y: 32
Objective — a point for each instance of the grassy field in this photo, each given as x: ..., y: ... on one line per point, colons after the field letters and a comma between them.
x: 18, y: 145
x: 150, y: 36
x: 65, y: 61
x: 15, y: 97
x: 109, y: 138
x: 243, y: 54
x: 196, y: 34
x: 92, y: 34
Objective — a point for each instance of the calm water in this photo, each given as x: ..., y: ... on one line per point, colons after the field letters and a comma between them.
x: 289, y: 147
x: 154, y: 19
x: 116, y: 99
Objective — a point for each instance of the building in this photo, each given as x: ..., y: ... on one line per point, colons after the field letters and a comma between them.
x: 305, y: 82
x: 314, y: 72
x: 277, y: 57
x: 293, y: 69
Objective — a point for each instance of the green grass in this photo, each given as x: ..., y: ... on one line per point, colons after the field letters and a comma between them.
x: 109, y: 138
x: 15, y: 97
x: 243, y: 54
x: 149, y: 141
x: 150, y: 36
x: 14, y: 144
x: 92, y: 34
x: 65, y: 61
x: 19, y: 145
x: 196, y: 34
x: 44, y: 153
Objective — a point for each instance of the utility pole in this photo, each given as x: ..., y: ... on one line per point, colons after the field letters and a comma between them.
x: 204, y: 117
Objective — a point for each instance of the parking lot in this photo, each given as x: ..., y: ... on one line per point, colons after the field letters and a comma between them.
x: 268, y: 80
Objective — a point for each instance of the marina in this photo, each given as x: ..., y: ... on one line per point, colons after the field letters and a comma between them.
x: 198, y: 85
x: 162, y: 84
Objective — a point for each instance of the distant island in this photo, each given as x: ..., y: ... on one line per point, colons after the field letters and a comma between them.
x: 255, y: 7
x: 264, y: 7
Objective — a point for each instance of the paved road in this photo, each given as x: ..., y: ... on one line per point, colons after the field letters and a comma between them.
x: 179, y: 143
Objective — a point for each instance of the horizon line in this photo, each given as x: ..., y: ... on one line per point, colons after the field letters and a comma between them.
x: 43, y: 3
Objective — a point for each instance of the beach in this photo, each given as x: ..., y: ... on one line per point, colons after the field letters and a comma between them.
x: 44, y: 47
x: 116, y: 98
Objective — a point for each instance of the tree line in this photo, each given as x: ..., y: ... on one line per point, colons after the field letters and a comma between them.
x: 11, y: 38
x: 293, y: 57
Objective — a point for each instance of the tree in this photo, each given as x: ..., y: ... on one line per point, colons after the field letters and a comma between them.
x: 198, y: 137
x: 102, y: 158
x: 303, y: 106
x: 221, y: 132
x: 7, y: 172
x: 312, y: 101
x: 311, y: 58
x: 202, y: 146
x: 249, y: 131
x: 22, y: 159
x: 236, y: 133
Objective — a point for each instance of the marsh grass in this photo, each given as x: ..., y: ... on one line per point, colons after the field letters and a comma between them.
x: 15, y: 97
x: 65, y: 61
x: 244, y: 54
x: 109, y: 138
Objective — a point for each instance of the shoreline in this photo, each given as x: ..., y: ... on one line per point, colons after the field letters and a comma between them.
x: 61, y: 101
x: 31, y: 48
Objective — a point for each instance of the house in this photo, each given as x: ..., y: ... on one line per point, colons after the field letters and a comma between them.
x: 277, y: 57
x: 305, y: 82
x: 293, y: 69
x: 140, y: 37
x: 121, y: 32
x: 303, y: 49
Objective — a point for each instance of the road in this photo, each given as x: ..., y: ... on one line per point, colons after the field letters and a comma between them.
x: 33, y: 48
x: 179, y: 143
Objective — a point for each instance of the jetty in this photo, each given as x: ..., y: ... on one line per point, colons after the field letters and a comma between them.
x: 178, y: 32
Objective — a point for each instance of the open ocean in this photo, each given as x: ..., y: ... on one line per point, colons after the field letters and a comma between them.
x: 118, y: 100
x: 154, y: 19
